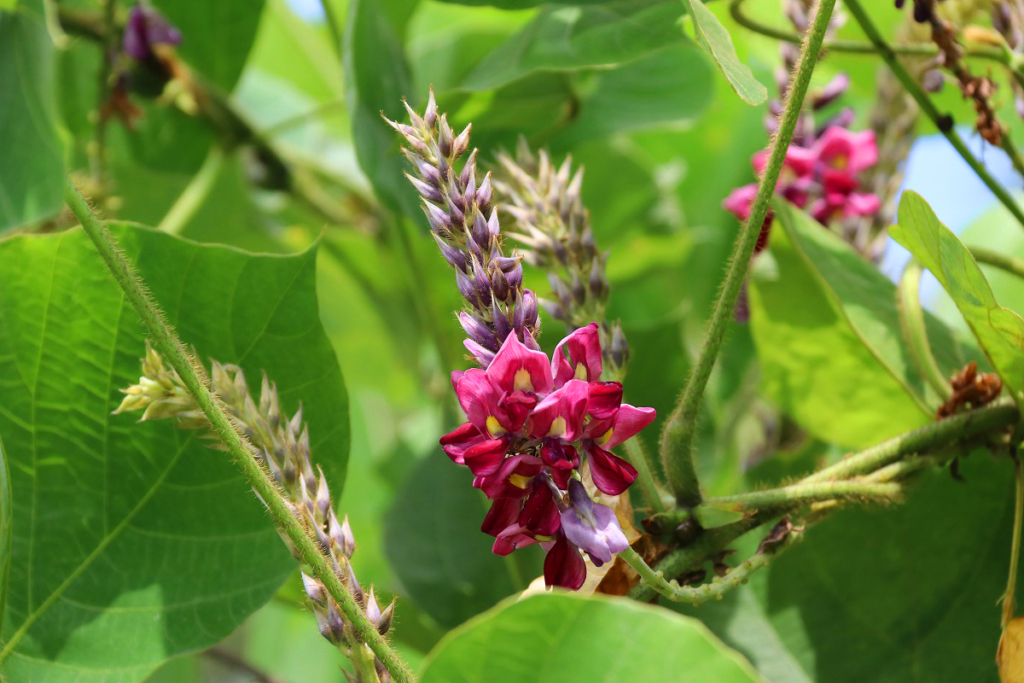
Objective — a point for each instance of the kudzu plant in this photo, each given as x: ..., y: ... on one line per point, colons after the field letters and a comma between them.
x: 568, y: 449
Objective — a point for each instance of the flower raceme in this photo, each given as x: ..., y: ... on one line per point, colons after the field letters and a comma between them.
x: 531, y: 421
x: 821, y: 178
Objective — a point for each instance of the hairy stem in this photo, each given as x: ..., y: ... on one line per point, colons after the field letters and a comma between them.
x: 1009, y: 597
x: 637, y: 456
x: 677, y: 436
x: 195, y: 193
x: 167, y: 343
x: 999, y: 414
x: 914, y: 331
x: 696, y: 595
x: 803, y: 493
x: 944, y: 122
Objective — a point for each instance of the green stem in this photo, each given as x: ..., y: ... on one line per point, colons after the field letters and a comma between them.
x: 1010, y: 264
x: 1009, y: 597
x: 706, y: 545
x: 804, y: 493
x: 857, y: 47
x: 167, y: 342
x: 914, y: 332
x: 904, y: 469
x: 677, y: 436
x: 999, y: 414
x: 637, y: 456
x: 194, y: 194
x: 943, y: 122
x: 696, y: 595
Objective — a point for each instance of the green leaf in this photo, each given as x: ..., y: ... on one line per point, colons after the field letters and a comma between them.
x: 6, y: 530
x: 216, y: 36
x: 884, y: 595
x: 567, y: 38
x: 999, y: 331
x: 378, y: 80
x: 32, y: 173
x: 670, y: 86
x: 516, y: 4
x: 139, y: 534
x: 569, y: 638
x: 437, y: 550
x: 717, y: 42
x: 828, y: 337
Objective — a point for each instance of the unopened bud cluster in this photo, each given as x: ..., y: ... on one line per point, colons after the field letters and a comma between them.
x: 283, y: 445
x: 553, y: 225
x: 464, y: 223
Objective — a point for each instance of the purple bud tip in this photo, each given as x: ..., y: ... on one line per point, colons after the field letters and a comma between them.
x: 146, y: 28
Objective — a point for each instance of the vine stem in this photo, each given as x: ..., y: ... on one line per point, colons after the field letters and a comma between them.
x: 676, y: 447
x: 696, y: 595
x: 914, y: 331
x: 859, y: 48
x: 944, y: 122
x: 167, y: 342
x: 1011, y: 264
x: 803, y: 493
x: 637, y: 456
x: 1001, y: 413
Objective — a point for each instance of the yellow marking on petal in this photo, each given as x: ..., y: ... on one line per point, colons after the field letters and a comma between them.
x: 522, y: 380
x: 581, y: 372
x: 604, y: 438
x: 519, y: 480
x: 840, y: 162
x: 557, y: 427
x: 494, y: 427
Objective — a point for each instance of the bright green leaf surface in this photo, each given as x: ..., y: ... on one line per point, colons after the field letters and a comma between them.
x: 999, y: 331
x: 566, y: 38
x: 816, y: 365
x: 437, y: 550
x: 564, y: 638
x: 32, y: 172
x: 138, y: 534
x: 215, y: 36
x: 895, y: 595
x: 717, y: 42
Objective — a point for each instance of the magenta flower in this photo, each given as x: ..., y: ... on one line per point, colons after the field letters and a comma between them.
x: 147, y: 28
x: 531, y: 421
x: 822, y: 177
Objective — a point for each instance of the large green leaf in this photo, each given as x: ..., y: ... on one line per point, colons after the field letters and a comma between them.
x: 32, y: 173
x: 826, y: 359
x: 216, y: 36
x: 139, y: 534
x: 717, y: 42
x: 669, y: 87
x: 566, y: 38
x: 6, y: 530
x: 432, y: 538
x: 378, y: 80
x: 568, y: 638
x: 901, y: 595
x: 999, y: 331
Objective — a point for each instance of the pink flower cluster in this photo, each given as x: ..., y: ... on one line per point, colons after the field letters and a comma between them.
x: 530, y: 421
x: 821, y: 178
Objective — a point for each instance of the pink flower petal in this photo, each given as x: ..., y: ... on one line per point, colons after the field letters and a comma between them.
x: 517, y: 368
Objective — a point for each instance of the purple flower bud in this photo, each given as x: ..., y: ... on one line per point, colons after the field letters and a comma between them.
x: 384, y: 621
x: 502, y: 326
x: 483, y: 193
x: 146, y: 28
x: 499, y: 285
x: 529, y: 341
x: 620, y: 349
x: 466, y: 286
x: 461, y: 143
x: 480, y: 232
x: 332, y: 627
x: 839, y: 84
x: 579, y: 292
x: 413, y: 116
x: 445, y: 138
x: 598, y: 287
x: 515, y: 277
x: 452, y: 255
x: 555, y: 310
x: 440, y: 222
x: 592, y: 526
x: 529, y: 308
x: 482, y: 355
x: 372, y: 608
x: 479, y: 332
x: 474, y: 249
x: 314, y: 589
x: 430, y: 115
x: 483, y: 283
x: 493, y: 227
x: 469, y: 170
x: 323, y: 497
x: 426, y: 190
